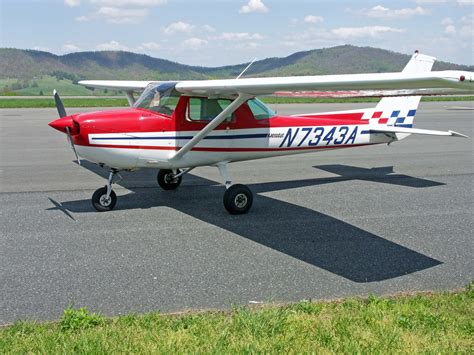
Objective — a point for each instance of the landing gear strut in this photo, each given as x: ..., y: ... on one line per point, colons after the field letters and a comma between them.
x: 238, y: 198
x: 105, y: 199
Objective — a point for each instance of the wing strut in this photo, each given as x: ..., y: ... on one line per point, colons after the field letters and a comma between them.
x: 130, y: 97
x: 211, y: 125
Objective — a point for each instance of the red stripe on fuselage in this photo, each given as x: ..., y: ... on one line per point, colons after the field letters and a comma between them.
x: 208, y: 149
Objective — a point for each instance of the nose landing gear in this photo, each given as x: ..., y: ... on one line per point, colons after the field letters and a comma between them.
x: 105, y: 199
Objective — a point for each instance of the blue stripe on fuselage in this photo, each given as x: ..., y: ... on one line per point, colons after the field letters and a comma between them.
x: 235, y: 136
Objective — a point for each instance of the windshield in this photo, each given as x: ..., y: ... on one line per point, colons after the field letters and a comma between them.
x: 161, y: 98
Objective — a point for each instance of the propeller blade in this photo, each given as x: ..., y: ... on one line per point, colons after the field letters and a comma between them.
x: 59, y: 104
x: 69, y: 138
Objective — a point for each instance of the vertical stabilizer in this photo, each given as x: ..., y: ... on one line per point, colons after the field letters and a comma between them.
x: 400, y: 111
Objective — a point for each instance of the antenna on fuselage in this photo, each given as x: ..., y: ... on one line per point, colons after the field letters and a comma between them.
x: 248, y: 66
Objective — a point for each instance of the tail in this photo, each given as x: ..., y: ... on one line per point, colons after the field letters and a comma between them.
x: 400, y: 111
x: 394, y: 116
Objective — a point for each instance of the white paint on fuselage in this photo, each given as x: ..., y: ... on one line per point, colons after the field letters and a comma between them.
x: 270, y: 142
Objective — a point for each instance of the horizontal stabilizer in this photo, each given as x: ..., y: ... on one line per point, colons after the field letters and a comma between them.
x: 428, y: 132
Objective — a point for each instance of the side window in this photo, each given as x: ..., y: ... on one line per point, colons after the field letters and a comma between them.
x: 204, y: 109
x: 259, y: 109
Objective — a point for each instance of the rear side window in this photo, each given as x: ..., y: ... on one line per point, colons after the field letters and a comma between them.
x: 204, y: 109
x: 260, y: 110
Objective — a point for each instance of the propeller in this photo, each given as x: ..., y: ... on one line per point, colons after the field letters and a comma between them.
x: 62, y: 113
x: 59, y: 104
x: 69, y: 138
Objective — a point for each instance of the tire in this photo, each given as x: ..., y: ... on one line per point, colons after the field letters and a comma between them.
x: 238, y: 199
x: 100, y: 203
x: 166, y: 181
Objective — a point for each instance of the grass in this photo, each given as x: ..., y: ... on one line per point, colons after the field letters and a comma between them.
x: 303, y: 100
x: 44, y: 86
x: 49, y: 102
x: 434, y: 323
x: 12, y: 102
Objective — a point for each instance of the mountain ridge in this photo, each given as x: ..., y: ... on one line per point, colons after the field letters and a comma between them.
x: 21, y: 70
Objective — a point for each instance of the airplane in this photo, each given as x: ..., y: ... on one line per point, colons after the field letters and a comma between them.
x: 176, y: 126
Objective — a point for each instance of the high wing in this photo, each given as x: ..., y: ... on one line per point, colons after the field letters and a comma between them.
x: 386, y: 81
x: 411, y: 78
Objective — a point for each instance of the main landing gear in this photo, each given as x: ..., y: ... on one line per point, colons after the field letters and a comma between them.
x: 238, y: 198
x: 169, y: 180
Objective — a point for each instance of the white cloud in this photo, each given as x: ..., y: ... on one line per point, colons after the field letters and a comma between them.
x: 178, y: 27
x: 149, y: 45
x: 209, y: 28
x: 467, y: 29
x: 240, y: 36
x: 447, y: 21
x: 313, y: 19
x: 125, y: 3
x: 69, y: 47
x: 366, y: 31
x: 384, y: 12
x: 429, y: 2
x: 194, y: 43
x: 72, y: 3
x: 254, y: 6
x: 116, y: 15
x: 119, y: 11
x: 111, y: 46
x: 120, y: 16
x: 42, y: 49
x: 466, y: 2
x: 450, y: 29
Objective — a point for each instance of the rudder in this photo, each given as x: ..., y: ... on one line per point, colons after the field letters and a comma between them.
x: 400, y: 111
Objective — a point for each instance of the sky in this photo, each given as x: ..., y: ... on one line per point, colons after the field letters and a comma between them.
x: 224, y: 32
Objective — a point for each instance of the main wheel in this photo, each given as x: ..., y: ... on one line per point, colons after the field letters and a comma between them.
x: 238, y: 199
x: 100, y: 201
x: 167, y: 181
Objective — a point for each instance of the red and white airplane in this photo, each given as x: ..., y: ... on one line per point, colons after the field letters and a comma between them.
x: 177, y: 126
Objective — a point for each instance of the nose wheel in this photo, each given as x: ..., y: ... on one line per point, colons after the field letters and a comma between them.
x: 102, y: 202
x: 105, y: 199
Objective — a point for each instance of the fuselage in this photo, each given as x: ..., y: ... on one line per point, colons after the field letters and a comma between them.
x: 138, y: 138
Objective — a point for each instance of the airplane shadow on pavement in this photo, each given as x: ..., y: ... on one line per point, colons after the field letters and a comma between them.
x: 302, y: 233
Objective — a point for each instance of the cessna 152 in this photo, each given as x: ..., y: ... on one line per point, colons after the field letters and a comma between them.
x: 177, y: 126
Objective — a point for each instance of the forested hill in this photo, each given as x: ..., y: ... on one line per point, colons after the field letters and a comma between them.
x: 28, y: 71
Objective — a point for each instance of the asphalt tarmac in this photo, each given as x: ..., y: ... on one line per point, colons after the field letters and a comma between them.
x: 370, y: 220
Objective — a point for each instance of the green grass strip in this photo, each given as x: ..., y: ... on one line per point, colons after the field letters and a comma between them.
x: 303, y: 100
x: 428, y: 323
x: 49, y: 103
x: 119, y: 102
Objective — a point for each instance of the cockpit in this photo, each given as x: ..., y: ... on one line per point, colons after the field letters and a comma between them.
x: 161, y: 98
x: 164, y: 98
